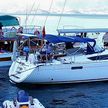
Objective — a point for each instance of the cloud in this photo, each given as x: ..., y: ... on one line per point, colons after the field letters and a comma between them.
x: 71, y: 6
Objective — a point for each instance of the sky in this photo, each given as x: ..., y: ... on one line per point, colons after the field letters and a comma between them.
x: 83, y: 6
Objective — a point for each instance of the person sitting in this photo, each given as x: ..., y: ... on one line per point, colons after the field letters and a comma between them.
x: 46, y: 51
x: 105, y: 39
x: 26, y: 51
x: 1, y: 32
x: 20, y: 30
x: 36, y: 32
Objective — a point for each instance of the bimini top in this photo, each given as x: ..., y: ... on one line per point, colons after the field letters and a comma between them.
x: 7, y: 20
x: 88, y: 30
x: 57, y: 39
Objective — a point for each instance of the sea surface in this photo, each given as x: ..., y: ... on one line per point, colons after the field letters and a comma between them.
x: 82, y: 95
x: 54, y: 22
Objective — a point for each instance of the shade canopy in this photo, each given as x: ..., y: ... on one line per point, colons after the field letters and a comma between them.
x: 88, y: 30
x: 7, y: 20
x: 57, y: 39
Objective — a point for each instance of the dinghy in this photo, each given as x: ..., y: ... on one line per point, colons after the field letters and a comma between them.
x: 23, y: 101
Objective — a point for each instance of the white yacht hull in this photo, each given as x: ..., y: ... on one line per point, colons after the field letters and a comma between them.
x: 59, y: 73
x: 92, y: 66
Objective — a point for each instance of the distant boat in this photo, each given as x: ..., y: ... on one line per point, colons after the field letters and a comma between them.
x: 7, y: 38
x: 23, y: 100
x: 64, y: 67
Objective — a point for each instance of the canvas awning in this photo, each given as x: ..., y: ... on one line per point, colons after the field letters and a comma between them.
x: 88, y: 30
x: 57, y: 39
x: 7, y: 20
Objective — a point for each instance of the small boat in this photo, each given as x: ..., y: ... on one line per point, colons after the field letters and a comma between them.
x: 65, y: 66
x: 23, y: 101
x: 7, y: 38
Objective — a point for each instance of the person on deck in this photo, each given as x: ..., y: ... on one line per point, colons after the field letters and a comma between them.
x: 1, y: 32
x: 46, y: 51
x: 20, y: 30
x: 26, y: 51
x: 105, y: 39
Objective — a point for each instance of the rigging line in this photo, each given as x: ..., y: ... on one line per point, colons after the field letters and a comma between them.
x: 27, y: 15
x: 61, y: 13
x: 49, y: 12
x: 35, y: 13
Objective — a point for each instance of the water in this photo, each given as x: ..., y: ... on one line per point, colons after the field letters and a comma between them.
x: 82, y: 95
x: 70, y: 21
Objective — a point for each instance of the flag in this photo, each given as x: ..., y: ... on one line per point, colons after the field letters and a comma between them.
x: 43, y: 32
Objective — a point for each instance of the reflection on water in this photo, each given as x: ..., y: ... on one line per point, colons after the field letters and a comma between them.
x: 83, y: 95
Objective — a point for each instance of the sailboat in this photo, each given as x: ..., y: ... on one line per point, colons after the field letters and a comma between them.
x: 70, y: 67
x: 63, y: 64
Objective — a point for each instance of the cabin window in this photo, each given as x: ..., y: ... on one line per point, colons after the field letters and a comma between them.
x: 99, y: 57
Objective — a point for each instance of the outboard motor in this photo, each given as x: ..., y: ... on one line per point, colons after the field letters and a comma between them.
x: 22, y: 100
